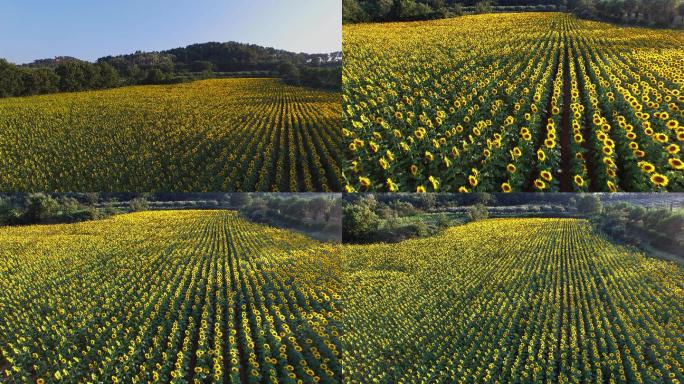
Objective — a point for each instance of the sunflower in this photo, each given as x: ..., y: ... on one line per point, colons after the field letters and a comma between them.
x: 413, y: 169
x: 549, y: 143
x: 434, y: 182
x: 611, y: 186
x: 539, y: 184
x: 364, y: 181
x: 373, y: 146
x: 383, y: 163
x: 579, y: 180
x: 420, y: 189
x: 661, y: 138
x: 349, y: 189
x: 511, y: 168
x: 454, y: 152
x: 429, y: 156
x: 659, y: 180
x: 676, y: 163
x: 392, y: 186
x: 541, y: 155
x: 546, y: 175
x: 472, y: 180
x: 646, y: 166
x: 672, y: 149
x: 463, y: 190
x: 506, y: 188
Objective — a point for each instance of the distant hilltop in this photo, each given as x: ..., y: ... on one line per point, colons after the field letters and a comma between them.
x: 221, y: 57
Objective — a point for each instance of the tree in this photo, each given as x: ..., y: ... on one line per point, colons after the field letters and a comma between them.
x: 319, y: 206
x: 68, y: 205
x: 478, y: 212
x: 138, y: 204
x: 91, y: 198
x: 483, y: 7
x: 289, y: 73
x: 589, y: 205
x: 202, y: 66
x: 154, y: 76
x: 358, y: 222
x: 109, y: 76
x: 239, y: 200
x: 10, y: 79
x: 426, y: 201
x: 40, y: 207
x: 352, y: 12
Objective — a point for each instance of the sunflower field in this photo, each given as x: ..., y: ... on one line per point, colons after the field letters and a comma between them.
x: 168, y: 297
x: 556, y: 303
x: 512, y: 102
x: 212, y: 135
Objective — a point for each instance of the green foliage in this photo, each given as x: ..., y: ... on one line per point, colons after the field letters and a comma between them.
x: 660, y: 228
x: 139, y: 204
x: 589, y: 205
x: 239, y: 200
x: 646, y: 12
x: 358, y: 221
x: 478, y: 212
x: 194, y: 62
x: 483, y: 7
x: 40, y: 207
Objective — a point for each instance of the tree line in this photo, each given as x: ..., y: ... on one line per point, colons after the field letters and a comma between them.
x: 354, y: 11
x: 647, y: 12
x: 197, y: 61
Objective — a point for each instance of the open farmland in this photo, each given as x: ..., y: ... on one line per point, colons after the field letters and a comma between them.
x: 508, y: 301
x: 513, y: 102
x: 167, y: 296
x: 211, y: 135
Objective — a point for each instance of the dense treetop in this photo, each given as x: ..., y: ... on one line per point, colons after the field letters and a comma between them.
x: 197, y: 61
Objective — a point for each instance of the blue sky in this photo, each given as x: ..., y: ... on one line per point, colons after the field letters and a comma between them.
x: 88, y: 29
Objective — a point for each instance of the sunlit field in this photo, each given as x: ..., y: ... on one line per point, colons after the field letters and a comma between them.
x: 168, y: 296
x: 512, y: 300
x: 211, y: 135
x: 512, y: 102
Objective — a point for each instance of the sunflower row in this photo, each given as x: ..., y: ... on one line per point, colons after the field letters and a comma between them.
x: 212, y: 135
x: 174, y: 296
x: 558, y: 303
x: 522, y: 102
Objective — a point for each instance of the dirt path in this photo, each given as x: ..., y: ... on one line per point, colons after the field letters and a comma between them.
x: 565, y: 176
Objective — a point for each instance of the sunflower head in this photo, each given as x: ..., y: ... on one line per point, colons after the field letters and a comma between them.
x: 659, y: 180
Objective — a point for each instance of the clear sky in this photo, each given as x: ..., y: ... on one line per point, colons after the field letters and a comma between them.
x: 89, y: 29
